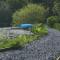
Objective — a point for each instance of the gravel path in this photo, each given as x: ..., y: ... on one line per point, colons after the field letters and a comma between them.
x: 12, y: 33
x: 42, y: 49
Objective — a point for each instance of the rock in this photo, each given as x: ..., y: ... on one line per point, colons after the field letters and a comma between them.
x: 12, y: 32
x: 51, y: 58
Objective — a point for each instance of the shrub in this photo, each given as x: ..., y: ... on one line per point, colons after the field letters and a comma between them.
x: 7, y: 43
x: 31, y: 13
x: 57, y: 26
x: 24, y: 39
x: 52, y: 20
x: 39, y: 29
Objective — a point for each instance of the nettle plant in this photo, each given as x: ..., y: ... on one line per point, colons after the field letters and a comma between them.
x: 40, y: 29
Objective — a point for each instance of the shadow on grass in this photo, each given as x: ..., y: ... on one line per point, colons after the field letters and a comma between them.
x: 11, y: 48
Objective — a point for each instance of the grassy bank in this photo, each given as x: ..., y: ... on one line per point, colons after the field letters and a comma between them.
x: 38, y: 31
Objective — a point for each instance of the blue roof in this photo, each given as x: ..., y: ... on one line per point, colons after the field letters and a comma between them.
x: 24, y: 25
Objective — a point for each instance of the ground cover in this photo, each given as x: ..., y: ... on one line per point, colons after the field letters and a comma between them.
x: 38, y: 30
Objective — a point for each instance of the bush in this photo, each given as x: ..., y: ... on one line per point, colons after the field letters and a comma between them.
x: 39, y: 29
x: 57, y: 26
x: 52, y: 20
x: 25, y: 39
x: 32, y: 13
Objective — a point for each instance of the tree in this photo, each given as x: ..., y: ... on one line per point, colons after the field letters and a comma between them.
x: 5, y: 13
x: 31, y: 13
x: 46, y: 4
x: 16, y: 4
x: 52, y: 20
x: 56, y: 8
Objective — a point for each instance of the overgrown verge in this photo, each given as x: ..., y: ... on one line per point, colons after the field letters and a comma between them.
x: 54, y: 22
x: 21, y: 40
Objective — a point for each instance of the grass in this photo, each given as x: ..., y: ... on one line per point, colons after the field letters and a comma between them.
x: 21, y: 40
x: 18, y: 41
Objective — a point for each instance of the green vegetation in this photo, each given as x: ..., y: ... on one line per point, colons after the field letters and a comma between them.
x: 11, y: 7
x: 56, y: 8
x: 18, y: 41
x: 56, y: 11
x: 39, y: 29
x: 31, y: 13
x: 22, y: 40
x: 28, y: 11
x: 57, y: 26
x: 52, y: 20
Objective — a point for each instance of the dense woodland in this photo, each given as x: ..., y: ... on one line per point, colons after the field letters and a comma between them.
x: 9, y: 7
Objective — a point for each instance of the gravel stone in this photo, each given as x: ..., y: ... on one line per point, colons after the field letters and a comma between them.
x: 45, y: 48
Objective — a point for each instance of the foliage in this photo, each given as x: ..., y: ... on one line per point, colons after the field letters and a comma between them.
x: 7, y: 7
x: 56, y: 8
x: 57, y: 26
x: 15, y: 4
x: 39, y: 29
x: 22, y: 40
x: 31, y: 13
x: 46, y: 3
x: 53, y: 19
x: 5, y: 13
